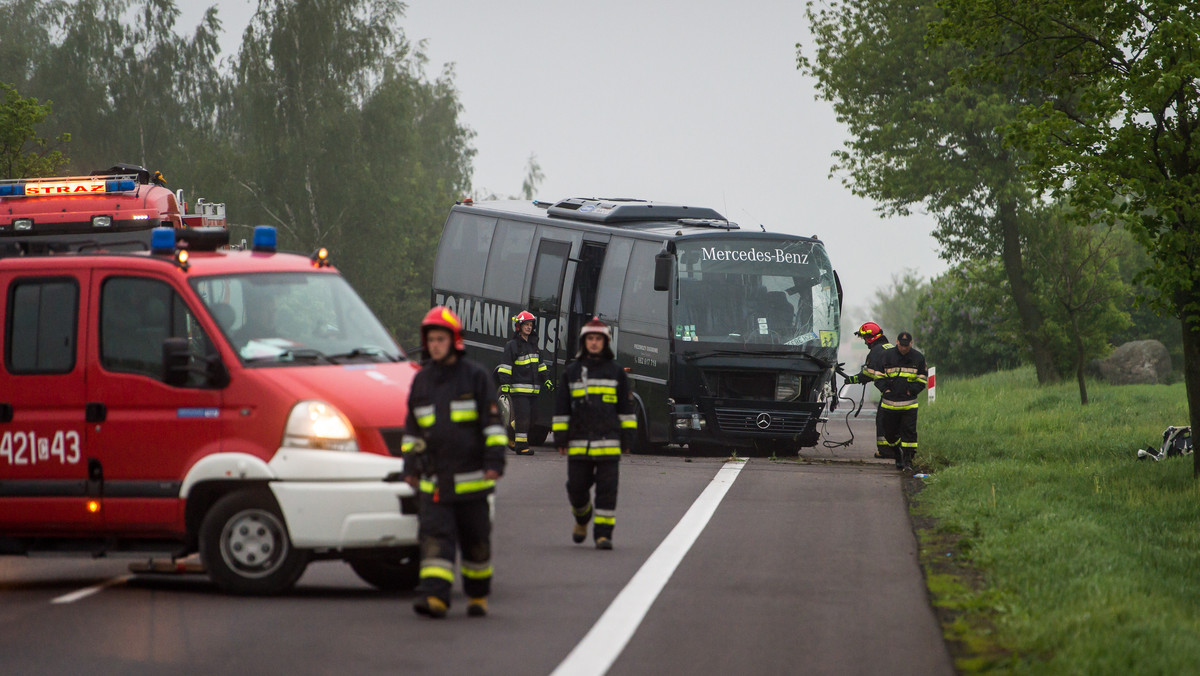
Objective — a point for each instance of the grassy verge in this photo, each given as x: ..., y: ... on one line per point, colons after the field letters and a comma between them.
x: 1051, y: 547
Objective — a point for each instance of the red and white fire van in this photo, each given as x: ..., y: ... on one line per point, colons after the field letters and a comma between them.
x: 245, y: 405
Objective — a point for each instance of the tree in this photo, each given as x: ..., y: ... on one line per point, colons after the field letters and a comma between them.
x: 533, y: 178
x: 23, y: 153
x: 895, y: 307
x: 1077, y: 266
x: 966, y: 321
x: 1115, y: 128
x: 919, y: 137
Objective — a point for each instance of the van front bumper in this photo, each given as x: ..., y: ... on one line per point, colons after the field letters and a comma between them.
x: 334, y: 500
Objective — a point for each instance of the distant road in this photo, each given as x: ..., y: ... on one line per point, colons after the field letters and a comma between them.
x: 802, y: 568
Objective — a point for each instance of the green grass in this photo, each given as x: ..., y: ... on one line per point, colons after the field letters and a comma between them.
x: 1084, y: 560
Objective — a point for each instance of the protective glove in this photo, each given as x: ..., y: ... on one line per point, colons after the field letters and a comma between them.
x: 549, y: 385
x: 504, y: 388
x: 853, y: 379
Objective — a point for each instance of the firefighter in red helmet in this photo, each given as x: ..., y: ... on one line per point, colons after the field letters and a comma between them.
x: 522, y: 374
x: 871, y: 371
x: 453, y: 452
x: 594, y: 422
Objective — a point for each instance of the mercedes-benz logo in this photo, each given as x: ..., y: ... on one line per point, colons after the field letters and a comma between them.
x: 763, y: 421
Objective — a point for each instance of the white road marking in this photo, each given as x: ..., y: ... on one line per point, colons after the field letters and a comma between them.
x: 84, y: 593
x: 608, y: 637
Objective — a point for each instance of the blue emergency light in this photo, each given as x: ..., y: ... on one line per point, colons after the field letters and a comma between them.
x: 162, y: 240
x: 12, y: 190
x: 119, y: 185
x: 264, y: 238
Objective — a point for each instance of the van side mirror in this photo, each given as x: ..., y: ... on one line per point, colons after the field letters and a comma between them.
x: 176, y: 356
x: 662, y: 271
x: 175, y: 361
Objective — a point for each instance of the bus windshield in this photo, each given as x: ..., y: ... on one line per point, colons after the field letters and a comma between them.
x: 756, y: 291
x: 281, y: 319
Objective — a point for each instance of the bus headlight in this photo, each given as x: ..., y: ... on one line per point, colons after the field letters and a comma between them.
x: 316, y: 424
x: 787, y: 386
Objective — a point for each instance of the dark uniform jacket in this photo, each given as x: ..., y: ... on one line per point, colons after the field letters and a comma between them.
x: 453, y: 432
x: 522, y: 368
x: 594, y: 414
x: 902, y: 378
x: 872, y: 367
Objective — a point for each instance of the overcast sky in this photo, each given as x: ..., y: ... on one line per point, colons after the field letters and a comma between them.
x: 689, y: 101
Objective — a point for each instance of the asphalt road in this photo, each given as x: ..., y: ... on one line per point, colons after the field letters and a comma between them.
x: 805, y: 567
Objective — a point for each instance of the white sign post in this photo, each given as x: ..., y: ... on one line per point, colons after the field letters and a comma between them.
x: 932, y: 381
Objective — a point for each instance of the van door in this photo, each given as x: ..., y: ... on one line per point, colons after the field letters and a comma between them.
x: 44, y: 485
x: 149, y: 433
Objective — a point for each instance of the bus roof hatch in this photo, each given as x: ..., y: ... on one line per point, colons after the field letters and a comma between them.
x: 616, y: 211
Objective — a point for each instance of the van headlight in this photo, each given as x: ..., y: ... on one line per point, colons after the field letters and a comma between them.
x: 316, y: 424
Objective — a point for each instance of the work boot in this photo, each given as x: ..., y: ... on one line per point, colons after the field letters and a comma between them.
x: 603, y: 543
x: 524, y: 451
x: 477, y: 607
x: 908, y: 460
x: 431, y: 606
x: 579, y: 533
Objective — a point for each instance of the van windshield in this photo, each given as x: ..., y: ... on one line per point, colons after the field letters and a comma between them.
x: 756, y: 291
x: 288, y: 317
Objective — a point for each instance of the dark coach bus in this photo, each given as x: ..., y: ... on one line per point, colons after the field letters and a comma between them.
x: 730, y: 337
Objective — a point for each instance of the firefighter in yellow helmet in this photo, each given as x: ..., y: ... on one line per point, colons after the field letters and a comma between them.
x: 594, y: 422
x: 453, y: 452
x: 522, y: 374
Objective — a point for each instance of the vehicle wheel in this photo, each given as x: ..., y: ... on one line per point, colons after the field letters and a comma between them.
x: 389, y: 574
x: 246, y: 547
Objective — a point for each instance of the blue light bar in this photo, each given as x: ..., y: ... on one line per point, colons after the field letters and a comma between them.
x: 264, y: 238
x: 162, y: 240
x: 12, y: 190
x: 119, y: 185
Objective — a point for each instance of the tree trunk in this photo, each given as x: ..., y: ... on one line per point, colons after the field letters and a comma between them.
x: 1191, y: 376
x: 1079, y: 359
x: 1031, y: 317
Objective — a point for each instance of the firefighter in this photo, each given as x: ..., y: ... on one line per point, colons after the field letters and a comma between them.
x: 520, y: 373
x: 453, y: 450
x: 903, y: 377
x: 872, y: 335
x: 594, y: 422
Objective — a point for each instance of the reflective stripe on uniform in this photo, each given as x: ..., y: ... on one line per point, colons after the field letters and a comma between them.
x: 582, y: 511
x: 463, y: 410
x: 428, y: 486
x: 495, y: 436
x: 908, y: 444
x: 530, y: 359
x: 407, y: 443
x: 476, y: 570
x: 899, y: 405
x: 605, y: 517
x: 596, y: 447
x: 560, y: 423
x: 628, y: 421
x: 424, y: 415
x: 523, y: 388
x: 881, y: 441
x: 440, y: 568
x: 505, y: 369
x: 471, y: 482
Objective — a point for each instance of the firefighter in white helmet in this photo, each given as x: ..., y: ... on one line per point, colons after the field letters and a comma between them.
x: 594, y: 422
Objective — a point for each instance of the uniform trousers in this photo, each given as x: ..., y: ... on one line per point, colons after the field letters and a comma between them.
x: 582, y: 474
x: 445, y: 528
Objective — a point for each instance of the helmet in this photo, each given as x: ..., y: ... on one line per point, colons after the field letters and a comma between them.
x: 596, y: 326
x: 869, y: 331
x: 524, y: 316
x: 441, y: 317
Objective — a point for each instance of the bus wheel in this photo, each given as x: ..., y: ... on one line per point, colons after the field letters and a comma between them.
x: 246, y: 548
x: 390, y: 574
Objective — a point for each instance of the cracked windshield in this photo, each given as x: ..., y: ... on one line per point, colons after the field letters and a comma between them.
x: 758, y: 291
x: 279, y: 319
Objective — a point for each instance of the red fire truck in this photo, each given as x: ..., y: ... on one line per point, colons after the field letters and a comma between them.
x: 113, y: 208
x: 242, y: 405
